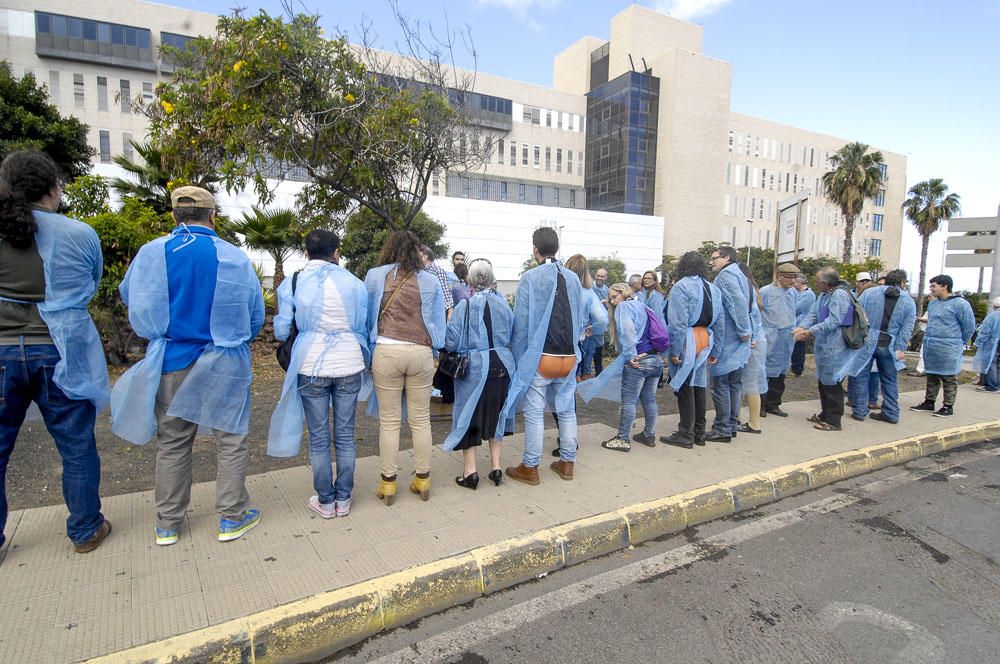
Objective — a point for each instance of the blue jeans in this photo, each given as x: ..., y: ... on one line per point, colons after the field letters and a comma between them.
x: 639, y: 385
x: 588, y: 348
x: 317, y: 393
x: 884, y: 359
x: 991, y: 378
x: 26, y: 376
x: 727, y: 395
x: 535, y: 399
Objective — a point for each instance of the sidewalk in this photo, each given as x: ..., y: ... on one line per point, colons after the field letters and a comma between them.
x: 63, y: 607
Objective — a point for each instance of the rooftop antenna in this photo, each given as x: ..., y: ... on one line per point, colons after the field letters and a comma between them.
x: 631, y: 62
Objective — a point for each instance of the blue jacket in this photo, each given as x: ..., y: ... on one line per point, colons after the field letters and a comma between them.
x: 595, y: 314
x: 779, y: 318
x: 475, y: 342
x: 686, y: 298
x: 950, y: 324
x: 653, y: 299
x: 631, y: 320
x: 986, y: 342
x: 804, y: 301
x: 307, y: 305
x: 734, y: 352
x: 833, y: 358
x: 900, y: 326
x: 216, y: 391
x: 755, y: 372
x: 431, y: 303
x: 532, y: 310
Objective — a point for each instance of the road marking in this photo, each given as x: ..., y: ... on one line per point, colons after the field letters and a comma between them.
x: 922, y: 647
x: 460, y: 639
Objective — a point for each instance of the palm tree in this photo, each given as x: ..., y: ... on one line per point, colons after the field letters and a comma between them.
x: 151, y: 181
x: 855, y: 175
x: 275, y: 232
x: 927, y: 205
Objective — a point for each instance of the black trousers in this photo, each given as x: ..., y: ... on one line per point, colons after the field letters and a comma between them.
x: 775, y: 390
x: 798, y: 358
x: 691, y: 406
x: 599, y: 360
x: 831, y: 399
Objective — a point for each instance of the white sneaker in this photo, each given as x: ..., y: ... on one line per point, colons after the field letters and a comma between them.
x: 342, y: 507
x: 327, y: 511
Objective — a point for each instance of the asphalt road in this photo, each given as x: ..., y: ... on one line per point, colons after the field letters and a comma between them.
x: 896, y: 566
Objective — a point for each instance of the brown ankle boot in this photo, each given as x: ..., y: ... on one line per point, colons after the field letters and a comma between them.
x: 522, y: 473
x: 564, y: 469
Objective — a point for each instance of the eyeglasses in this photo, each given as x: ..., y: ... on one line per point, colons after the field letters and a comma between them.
x: 714, y: 258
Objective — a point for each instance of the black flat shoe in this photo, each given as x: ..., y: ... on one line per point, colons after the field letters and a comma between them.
x: 496, y: 476
x: 469, y: 481
x: 746, y: 428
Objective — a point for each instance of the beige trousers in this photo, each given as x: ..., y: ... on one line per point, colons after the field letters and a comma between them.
x: 395, y: 368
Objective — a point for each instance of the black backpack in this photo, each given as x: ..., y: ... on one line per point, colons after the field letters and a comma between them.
x: 284, y: 351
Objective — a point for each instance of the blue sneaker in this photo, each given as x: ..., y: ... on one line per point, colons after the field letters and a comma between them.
x: 230, y: 530
x: 166, y: 537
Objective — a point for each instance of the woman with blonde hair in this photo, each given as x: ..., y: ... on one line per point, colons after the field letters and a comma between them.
x: 632, y: 377
x: 406, y: 322
x: 480, y: 327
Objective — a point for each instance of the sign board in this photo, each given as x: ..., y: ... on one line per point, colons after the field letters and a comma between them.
x: 791, y: 212
x: 974, y: 242
x: 973, y: 224
x: 968, y: 260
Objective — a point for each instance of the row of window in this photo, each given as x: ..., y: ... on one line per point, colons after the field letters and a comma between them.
x: 122, y: 92
x: 486, y: 189
x: 104, y: 145
x: 553, y: 119
x: 523, y: 154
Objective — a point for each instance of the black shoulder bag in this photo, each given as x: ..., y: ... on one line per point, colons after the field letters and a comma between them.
x: 284, y: 350
x: 455, y: 364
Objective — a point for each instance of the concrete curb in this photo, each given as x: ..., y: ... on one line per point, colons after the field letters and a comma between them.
x: 317, y: 626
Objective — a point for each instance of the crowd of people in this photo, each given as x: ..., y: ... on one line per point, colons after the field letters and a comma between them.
x: 197, y: 300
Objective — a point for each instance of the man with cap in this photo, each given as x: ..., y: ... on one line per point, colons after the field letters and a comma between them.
x: 778, y: 312
x: 198, y: 301
x: 862, y: 281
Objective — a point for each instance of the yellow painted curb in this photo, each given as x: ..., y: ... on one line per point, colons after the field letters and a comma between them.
x: 320, y: 625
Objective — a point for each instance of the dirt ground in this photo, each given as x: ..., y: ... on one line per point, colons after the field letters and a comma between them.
x: 33, y: 475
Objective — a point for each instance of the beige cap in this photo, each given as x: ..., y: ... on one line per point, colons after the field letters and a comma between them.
x: 788, y: 268
x: 192, y: 197
x: 863, y: 276
x: 996, y: 303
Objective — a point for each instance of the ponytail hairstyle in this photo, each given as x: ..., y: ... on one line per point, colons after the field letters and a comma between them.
x: 25, y: 178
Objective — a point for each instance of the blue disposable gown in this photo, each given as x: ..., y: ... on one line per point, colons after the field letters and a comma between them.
x: 602, y: 296
x: 778, y: 315
x: 72, y: 264
x: 686, y: 298
x: 900, y: 326
x: 216, y: 392
x: 476, y: 344
x: 804, y: 301
x: 755, y: 372
x: 532, y: 310
x: 950, y: 324
x: 595, y: 314
x: 431, y: 303
x: 631, y: 320
x: 734, y: 352
x: 285, y: 432
x: 655, y: 300
x: 986, y: 343
x: 833, y: 358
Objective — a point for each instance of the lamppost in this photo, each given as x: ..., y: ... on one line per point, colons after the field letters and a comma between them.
x: 750, y: 241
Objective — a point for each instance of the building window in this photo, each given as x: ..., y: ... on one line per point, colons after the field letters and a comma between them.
x: 569, y: 162
x: 147, y: 92
x: 513, y: 153
x: 548, y: 118
x: 559, y: 120
x: 876, y: 248
x: 503, y: 191
x: 572, y: 197
x: 524, y: 154
x: 88, y: 40
x: 78, y: 90
x: 876, y: 222
x: 884, y: 169
x: 555, y: 196
x: 880, y: 198
x: 126, y: 96
x: 538, y: 194
x: 558, y: 160
x: 538, y: 156
x: 548, y: 158
x: 127, y: 145
x: 105, y: 140
x: 484, y: 192
x: 466, y: 187
x: 500, y: 147
x: 102, y: 93
x: 520, y: 193
x: 54, y: 95
x: 435, y: 184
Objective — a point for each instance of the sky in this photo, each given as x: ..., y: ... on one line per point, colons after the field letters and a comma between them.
x: 914, y: 77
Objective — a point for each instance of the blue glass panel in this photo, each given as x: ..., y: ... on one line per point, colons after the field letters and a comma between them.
x: 43, y: 22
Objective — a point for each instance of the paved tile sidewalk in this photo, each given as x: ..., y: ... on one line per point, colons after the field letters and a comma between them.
x: 63, y: 607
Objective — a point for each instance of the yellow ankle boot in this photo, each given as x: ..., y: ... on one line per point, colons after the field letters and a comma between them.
x: 422, y: 486
x: 386, y: 490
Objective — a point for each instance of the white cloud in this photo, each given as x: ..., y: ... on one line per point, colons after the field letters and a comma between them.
x: 687, y: 10
x: 523, y: 10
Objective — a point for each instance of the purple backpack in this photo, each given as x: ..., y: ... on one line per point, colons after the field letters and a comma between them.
x: 657, y: 332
